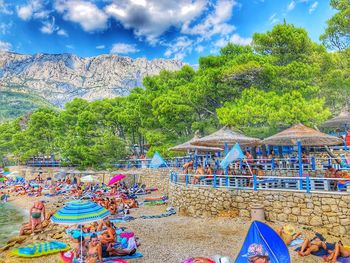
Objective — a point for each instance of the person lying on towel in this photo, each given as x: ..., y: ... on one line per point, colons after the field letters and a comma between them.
x: 313, y: 245
x: 339, y: 251
x: 288, y: 234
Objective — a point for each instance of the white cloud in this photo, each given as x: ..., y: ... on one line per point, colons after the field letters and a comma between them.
x: 5, y: 8
x: 100, y: 47
x: 273, y: 19
x: 34, y: 9
x: 70, y: 46
x: 49, y: 27
x: 179, y: 48
x: 25, y: 12
x: 291, y: 5
x: 313, y: 7
x: 199, y: 49
x: 122, y: 48
x: 5, y: 46
x: 151, y: 18
x: 214, y: 23
x: 237, y: 39
x: 5, y: 28
x: 88, y: 15
x: 62, y: 33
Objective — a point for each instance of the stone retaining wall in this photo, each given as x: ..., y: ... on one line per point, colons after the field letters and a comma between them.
x: 331, y: 211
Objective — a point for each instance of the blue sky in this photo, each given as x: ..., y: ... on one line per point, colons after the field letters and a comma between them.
x: 184, y: 29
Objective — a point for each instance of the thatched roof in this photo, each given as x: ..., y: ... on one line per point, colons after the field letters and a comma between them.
x: 188, y: 146
x: 225, y: 135
x: 339, y: 121
x: 306, y: 135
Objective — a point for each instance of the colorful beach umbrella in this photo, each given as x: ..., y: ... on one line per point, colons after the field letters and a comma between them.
x: 80, y: 212
x: 116, y: 178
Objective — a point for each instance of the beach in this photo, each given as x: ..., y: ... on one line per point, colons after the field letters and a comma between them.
x: 172, y: 239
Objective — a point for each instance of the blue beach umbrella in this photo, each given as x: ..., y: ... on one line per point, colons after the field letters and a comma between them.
x: 80, y: 212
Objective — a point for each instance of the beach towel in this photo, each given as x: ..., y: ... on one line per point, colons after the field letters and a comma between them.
x: 296, y: 242
x: 121, y: 219
x: 322, y: 252
x: 168, y: 213
x: 110, y: 259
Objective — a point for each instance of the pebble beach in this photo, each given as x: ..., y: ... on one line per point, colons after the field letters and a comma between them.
x: 170, y: 239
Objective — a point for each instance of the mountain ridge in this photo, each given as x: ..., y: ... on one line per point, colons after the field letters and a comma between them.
x: 58, y: 78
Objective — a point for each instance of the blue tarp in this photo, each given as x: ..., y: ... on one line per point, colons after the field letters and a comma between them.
x: 262, y: 240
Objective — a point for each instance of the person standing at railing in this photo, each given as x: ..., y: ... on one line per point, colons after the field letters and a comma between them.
x: 199, y: 173
x: 248, y: 156
x: 208, y: 171
x: 330, y: 172
x: 187, y: 166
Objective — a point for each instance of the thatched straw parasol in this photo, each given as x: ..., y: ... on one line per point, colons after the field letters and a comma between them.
x: 188, y: 146
x: 305, y: 135
x: 340, y: 121
x: 225, y: 136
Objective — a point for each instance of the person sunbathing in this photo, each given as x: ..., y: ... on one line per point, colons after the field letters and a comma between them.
x: 288, y: 234
x: 109, y: 235
x: 311, y: 246
x: 110, y: 251
x: 339, y: 251
x: 94, y: 251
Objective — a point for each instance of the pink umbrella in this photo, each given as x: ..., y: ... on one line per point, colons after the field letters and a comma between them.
x: 116, y: 178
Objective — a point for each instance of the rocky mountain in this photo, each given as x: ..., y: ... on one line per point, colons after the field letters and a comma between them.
x: 58, y: 78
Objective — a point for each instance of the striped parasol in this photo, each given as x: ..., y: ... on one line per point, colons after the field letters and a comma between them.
x: 79, y: 212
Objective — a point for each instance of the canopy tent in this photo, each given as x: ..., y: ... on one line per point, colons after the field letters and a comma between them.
x: 188, y: 146
x: 225, y: 137
x: 262, y: 241
x: 302, y: 135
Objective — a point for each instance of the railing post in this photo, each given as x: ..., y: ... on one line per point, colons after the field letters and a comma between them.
x: 313, y: 163
x: 273, y: 163
x: 214, y: 180
x: 308, y: 184
x: 240, y: 164
x: 175, y: 178
x: 329, y: 161
x: 255, y: 186
x: 171, y: 176
x: 187, y: 179
x: 227, y: 180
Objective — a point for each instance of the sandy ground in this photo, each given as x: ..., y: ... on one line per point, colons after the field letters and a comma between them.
x: 175, y: 238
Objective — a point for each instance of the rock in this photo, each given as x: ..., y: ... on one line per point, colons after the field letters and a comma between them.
x: 316, y: 221
x: 7, y: 246
x: 17, y: 239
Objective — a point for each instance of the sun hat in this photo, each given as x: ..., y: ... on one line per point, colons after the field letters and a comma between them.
x: 255, y: 250
x: 289, y: 229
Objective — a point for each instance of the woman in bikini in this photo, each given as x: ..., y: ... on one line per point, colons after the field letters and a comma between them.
x: 339, y: 251
x: 310, y: 246
x: 94, y: 251
x: 36, y: 213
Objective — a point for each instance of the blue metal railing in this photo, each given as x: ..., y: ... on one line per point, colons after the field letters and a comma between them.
x: 297, y: 184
